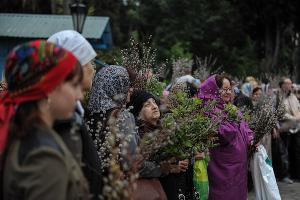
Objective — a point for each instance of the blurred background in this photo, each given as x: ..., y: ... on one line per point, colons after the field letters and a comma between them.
x: 253, y: 37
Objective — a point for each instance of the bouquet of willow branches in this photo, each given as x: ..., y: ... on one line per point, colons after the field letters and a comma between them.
x: 181, y: 67
x: 264, y: 118
x: 204, y: 67
x: 155, y: 87
x: 140, y: 59
x: 184, y: 130
x: 115, y: 185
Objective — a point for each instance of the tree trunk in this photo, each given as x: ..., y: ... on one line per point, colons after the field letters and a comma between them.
x: 272, y: 47
x: 53, y: 7
x: 276, y: 49
x: 267, y: 61
x: 66, y: 7
x: 296, y: 59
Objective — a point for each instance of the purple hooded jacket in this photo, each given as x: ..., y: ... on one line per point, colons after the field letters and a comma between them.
x: 227, y: 169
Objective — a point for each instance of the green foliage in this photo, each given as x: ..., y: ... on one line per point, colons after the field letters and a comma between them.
x: 111, y: 56
x: 180, y: 50
x: 245, y: 59
x: 247, y: 116
x: 184, y: 131
x: 155, y: 87
x: 232, y: 112
x: 190, y: 137
x: 194, y: 129
x: 242, y: 35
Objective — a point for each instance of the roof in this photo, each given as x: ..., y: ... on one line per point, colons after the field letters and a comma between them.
x: 43, y: 26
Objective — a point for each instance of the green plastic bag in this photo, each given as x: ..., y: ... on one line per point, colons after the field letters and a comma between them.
x: 200, y: 177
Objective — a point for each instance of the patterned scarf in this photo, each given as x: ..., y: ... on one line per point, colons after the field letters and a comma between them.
x: 109, y: 90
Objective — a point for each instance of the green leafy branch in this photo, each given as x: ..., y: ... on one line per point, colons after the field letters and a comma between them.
x: 184, y: 130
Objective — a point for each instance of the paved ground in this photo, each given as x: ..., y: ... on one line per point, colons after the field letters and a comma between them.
x: 287, y: 191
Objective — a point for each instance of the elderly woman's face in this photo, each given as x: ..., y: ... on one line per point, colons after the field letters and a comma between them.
x: 150, y: 111
x: 226, y: 91
x: 88, y: 75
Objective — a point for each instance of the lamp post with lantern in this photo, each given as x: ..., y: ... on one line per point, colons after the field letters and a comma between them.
x: 79, y: 13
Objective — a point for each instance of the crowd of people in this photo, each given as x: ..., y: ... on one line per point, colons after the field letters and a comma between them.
x: 56, y: 114
x: 282, y: 145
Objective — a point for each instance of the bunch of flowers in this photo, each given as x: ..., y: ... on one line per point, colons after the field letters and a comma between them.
x: 184, y: 130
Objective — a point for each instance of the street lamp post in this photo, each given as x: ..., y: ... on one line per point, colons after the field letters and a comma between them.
x: 78, y: 12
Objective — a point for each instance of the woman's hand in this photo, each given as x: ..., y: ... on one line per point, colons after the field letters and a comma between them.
x: 170, y: 167
x: 183, y: 165
x: 137, y: 162
x: 200, y: 156
x: 167, y: 167
x: 254, y: 146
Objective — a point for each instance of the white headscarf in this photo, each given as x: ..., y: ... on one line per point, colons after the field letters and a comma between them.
x: 76, y: 43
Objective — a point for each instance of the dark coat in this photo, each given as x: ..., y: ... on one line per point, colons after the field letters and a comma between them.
x: 173, y: 184
x: 176, y: 185
x: 40, y: 166
x: 83, y: 149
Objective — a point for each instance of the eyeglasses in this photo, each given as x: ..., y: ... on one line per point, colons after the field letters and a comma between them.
x: 98, y: 64
x: 93, y: 64
x: 225, y: 90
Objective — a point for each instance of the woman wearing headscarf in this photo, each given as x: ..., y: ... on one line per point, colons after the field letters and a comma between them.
x: 44, y: 82
x: 227, y: 169
x: 82, y: 50
x: 73, y: 130
x: 173, y: 176
x: 107, y: 102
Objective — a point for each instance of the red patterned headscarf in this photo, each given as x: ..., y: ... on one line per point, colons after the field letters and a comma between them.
x: 32, y: 71
x: 3, y: 86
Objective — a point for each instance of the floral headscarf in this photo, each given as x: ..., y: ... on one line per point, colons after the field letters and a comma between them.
x: 109, y: 90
